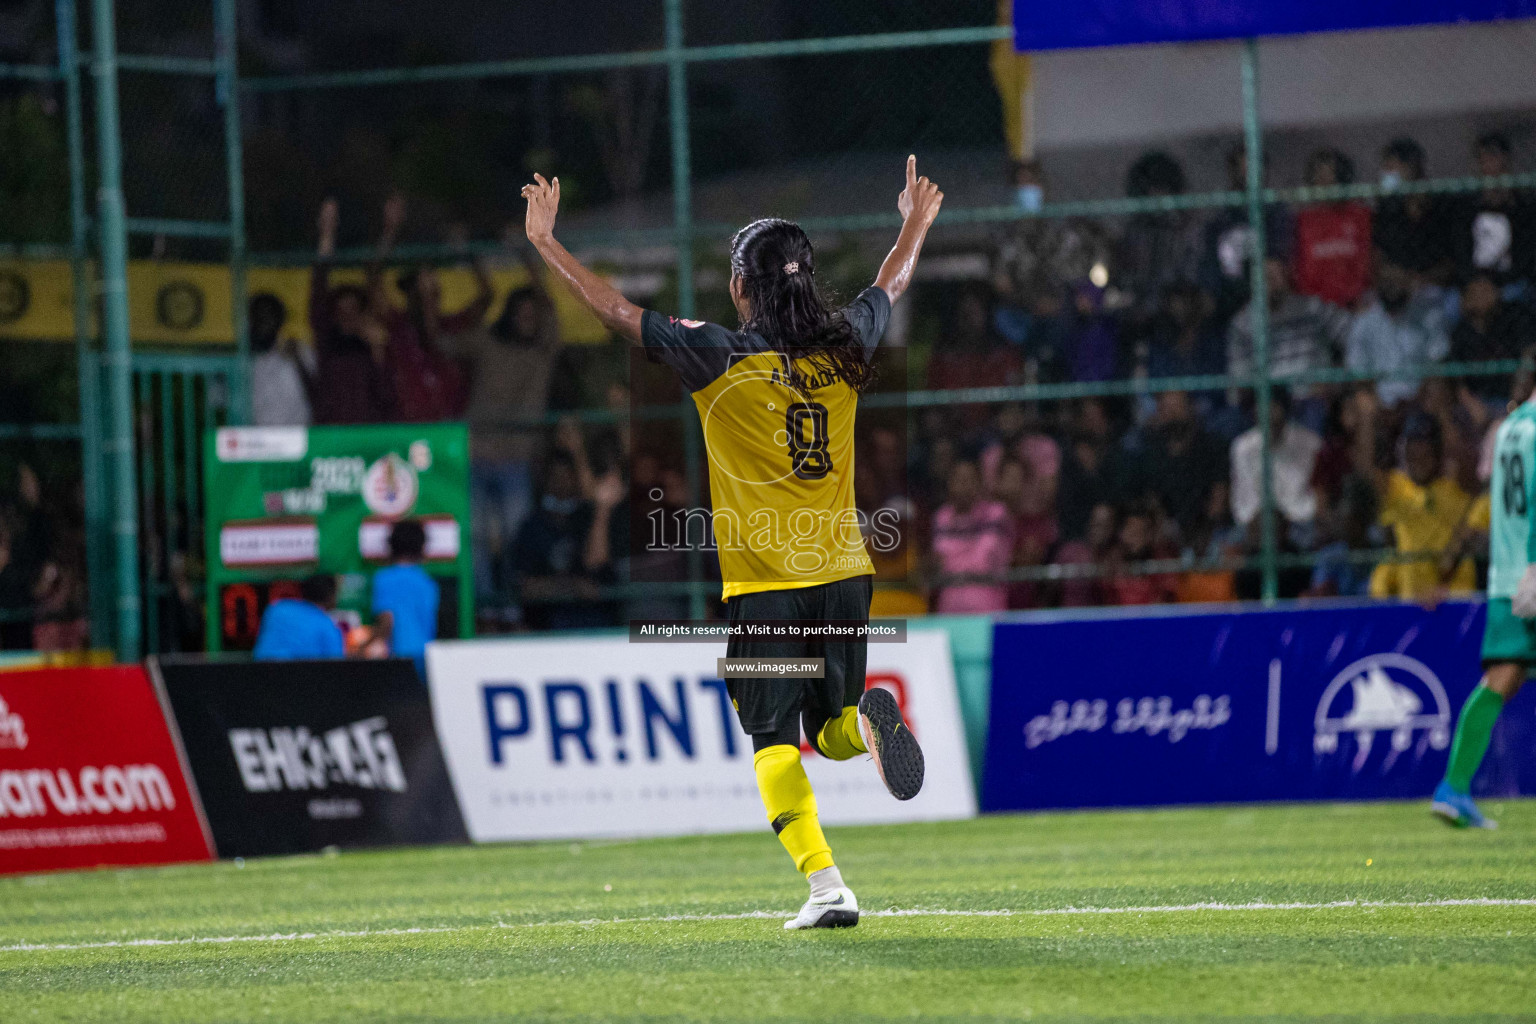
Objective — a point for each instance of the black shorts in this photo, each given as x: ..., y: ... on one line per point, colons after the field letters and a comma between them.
x: 775, y: 705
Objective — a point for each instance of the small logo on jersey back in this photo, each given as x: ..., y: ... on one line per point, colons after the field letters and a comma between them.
x: 686, y: 323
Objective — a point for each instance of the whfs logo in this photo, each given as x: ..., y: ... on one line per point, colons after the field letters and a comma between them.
x: 1389, y: 693
x: 13, y: 731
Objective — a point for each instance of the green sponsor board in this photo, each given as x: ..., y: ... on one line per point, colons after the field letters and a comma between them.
x: 283, y: 503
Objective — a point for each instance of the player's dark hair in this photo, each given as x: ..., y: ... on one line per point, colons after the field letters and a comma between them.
x: 407, y: 540
x: 777, y: 267
x: 319, y: 589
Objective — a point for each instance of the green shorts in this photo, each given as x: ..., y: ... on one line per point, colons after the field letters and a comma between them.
x: 1508, y: 637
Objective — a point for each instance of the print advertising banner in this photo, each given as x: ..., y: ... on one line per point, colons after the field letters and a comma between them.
x: 599, y: 737
x: 1308, y: 704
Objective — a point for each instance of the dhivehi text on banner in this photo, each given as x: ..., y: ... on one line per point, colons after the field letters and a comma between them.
x: 89, y: 774
x: 283, y: 503
x: 1069, y: 24
x: 295, y: 756
x: 591, y: 737
x: 1299, y: 704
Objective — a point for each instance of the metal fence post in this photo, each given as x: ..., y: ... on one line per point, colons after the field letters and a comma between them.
x: 227, y: 88
x: 682, y: 233
x: 1253, y: 144
x: 88, y: 366
x: 112, y: 243
x: 682, y: 165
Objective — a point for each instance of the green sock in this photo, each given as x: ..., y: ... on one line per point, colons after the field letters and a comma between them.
x: 1473, y: 731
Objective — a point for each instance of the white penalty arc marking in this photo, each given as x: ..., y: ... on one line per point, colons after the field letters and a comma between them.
x: 773, y: 915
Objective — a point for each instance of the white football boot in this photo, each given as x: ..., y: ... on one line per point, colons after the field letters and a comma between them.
x: 838, y: 910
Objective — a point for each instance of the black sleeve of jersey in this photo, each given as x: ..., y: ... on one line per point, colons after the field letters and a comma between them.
x: 698, y: 351
x: 869, y: 314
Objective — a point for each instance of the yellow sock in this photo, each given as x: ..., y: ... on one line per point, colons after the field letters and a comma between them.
x: 839, y: 738
x: 791, y: 806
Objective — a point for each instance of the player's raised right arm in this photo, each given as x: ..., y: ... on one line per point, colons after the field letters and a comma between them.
x: 919, y: 204
x: 616, y: 312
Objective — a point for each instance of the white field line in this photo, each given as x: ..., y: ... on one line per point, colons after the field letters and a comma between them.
x: 774, y: 915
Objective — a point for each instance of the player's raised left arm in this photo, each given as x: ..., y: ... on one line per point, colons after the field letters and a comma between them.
x: 616, y: 312
x: 918, y: 204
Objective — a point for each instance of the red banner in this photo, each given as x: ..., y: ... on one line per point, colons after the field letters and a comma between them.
x: 89, y: 774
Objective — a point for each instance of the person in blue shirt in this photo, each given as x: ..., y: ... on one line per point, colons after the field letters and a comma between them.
x: 302, y: 628
x: 405, y: 598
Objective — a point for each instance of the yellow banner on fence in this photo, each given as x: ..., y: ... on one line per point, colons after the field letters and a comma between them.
x: 188, y: 303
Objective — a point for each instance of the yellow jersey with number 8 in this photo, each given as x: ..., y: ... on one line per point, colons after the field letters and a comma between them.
x: 780, y: 457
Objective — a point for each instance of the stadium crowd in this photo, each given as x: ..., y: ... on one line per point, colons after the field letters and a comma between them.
x: 1401, y: 461
x: 1120, y: 500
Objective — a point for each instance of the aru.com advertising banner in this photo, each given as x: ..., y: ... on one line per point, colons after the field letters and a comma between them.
x: 1296, y: 704
x: 600, y: 737
x: 89, y: 774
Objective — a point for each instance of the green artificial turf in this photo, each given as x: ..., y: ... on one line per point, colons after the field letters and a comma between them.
x: 536, y: 933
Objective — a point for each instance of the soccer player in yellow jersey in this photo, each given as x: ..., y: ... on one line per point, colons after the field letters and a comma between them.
x: 777, y: 400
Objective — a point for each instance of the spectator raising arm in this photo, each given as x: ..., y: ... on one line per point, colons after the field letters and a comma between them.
x: 319, y: 278
x: 389, y: 233
x: 607, y: 494
x: 611, y: 308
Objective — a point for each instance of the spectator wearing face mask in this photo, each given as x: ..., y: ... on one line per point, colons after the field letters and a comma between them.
x: 1403, y: 326
x: 1038, y: 256
x: 1416, y: 231
x: 1333, y: 239
x: 1498, y: 225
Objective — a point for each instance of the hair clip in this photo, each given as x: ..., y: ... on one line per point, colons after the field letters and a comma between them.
x: 792, y: 267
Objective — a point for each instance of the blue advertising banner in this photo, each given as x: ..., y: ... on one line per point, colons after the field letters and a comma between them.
x: 1067, y: 24
x: 1308, y: 704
